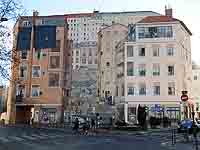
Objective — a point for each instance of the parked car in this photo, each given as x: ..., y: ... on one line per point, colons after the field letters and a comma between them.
x: 187, y: 124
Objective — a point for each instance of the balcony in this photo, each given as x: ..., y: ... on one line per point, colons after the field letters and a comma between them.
x: 19, y: 99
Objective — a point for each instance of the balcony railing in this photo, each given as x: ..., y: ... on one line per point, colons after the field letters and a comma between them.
x: 19, y: 98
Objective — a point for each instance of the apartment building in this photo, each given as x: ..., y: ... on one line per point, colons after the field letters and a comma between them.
x: 195, y: 88
x: 42, y: 74
x: 83, y: 29
x: 109, y: 36
x: 154, y: 66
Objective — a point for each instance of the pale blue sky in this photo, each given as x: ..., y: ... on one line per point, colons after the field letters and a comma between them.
x: 185, y: 10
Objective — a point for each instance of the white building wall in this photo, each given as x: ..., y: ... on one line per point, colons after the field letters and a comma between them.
x: 182, y: 68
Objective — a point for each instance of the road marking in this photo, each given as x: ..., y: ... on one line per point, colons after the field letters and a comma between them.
x: 44, y: 135
x: 4, y: 139
x: 29, y: 137
x: 16, y: 138
x: 38, y: 136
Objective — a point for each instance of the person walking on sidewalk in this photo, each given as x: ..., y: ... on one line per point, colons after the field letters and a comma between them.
x: 93, y: 124
x: 76, y: 125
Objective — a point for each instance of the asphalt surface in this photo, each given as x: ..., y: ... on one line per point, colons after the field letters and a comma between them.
x: 19, y: 138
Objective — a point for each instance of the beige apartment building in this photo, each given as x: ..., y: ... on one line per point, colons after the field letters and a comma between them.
x: 109, y: 36
x: 153, y: 67
x: 196, y: 89
x: 41, y: 73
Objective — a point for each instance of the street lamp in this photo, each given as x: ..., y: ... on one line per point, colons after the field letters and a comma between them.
x: 3, y: 19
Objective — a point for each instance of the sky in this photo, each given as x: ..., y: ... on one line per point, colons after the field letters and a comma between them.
x: 186, y: 10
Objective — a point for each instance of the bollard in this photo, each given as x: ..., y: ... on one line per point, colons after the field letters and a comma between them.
x: 173, y: 137
x: 195, y: 137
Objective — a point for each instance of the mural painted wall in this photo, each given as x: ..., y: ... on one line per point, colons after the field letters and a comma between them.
x: 84, y: 82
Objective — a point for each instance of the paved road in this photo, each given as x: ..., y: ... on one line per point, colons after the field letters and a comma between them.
x: 18, y: 138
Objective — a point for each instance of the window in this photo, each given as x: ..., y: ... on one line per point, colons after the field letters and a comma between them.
x: 156, y: 69
x: 83, y: 54
x: 156, y: 88
x: 142, y: 69
x: 54, y: 62
x: 83, y: 60
x: 141, y: 51
x: 142, y: 89
x: 77, y: 53
x: 197, y: 106
x: 170, y: 51
x: 108, y: 64
x: 35, y: 90
x: 89, y: 60
x: 155, y: 32
x: 23, y: 71
x: 129, y: 51
x: 195, y: 77
x: 24, y: 54
x: 36, y: 72
x: 170, y: 70
x: 95, y: 61
x: 155, y: 51
x: 130, y: 90
x: 141, y: 32
x: 20, y: 90
x: 117, y: 89
x: 122, y: 90
x: 130, y: 69
x: 171, y: 88
x: 53, y: 79
x: 77, y: 60
x: 90, y: 52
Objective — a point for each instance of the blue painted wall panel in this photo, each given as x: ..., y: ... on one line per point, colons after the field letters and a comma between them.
x: 24, y: 38
x: 45, y: 37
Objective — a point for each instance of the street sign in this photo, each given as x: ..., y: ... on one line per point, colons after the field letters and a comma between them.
x: 156, y: 108
x: 184, y: 98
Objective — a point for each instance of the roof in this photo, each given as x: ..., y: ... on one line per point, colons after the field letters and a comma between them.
x: 156, y: 19
x: 108, y: 26
x: 152, y: 19
x: 128, y: 12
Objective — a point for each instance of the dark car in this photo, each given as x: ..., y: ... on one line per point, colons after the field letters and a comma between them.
x: 187, y: 124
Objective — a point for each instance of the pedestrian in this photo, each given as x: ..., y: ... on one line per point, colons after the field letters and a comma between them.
x: 76, y: 125
x: 93, y: 124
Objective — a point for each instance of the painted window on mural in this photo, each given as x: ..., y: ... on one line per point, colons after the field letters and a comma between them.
x: 36, y: 72
x: 23, y: 71
x: 53, y: 79
x: 54, y: 62
x: 35, y: 90
x: 20, y: 91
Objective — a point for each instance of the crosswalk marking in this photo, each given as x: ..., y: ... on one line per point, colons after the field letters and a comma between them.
x: 44, y: 135
x: 38, y: 136
x: 16, y: 138
x: 4, y: 139
x: 29, y: 137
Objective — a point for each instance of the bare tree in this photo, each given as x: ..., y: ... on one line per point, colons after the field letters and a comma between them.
x: 9, y: 10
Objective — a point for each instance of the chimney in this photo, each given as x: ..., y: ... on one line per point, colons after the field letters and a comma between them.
x: 168, y: 11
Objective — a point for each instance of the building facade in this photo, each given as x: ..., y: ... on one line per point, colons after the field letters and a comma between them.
x: 154, y: 66
x: 42, y: 68
x: 108, y: 38
x: 83, y: 29
x: 196, y: 89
